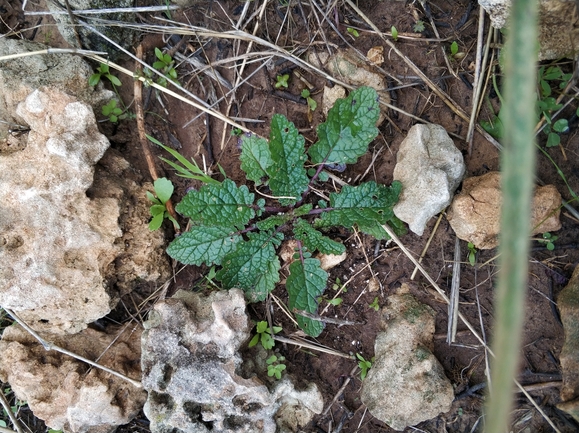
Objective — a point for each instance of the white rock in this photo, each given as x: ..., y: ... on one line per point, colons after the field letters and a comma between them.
x: 430, y: 168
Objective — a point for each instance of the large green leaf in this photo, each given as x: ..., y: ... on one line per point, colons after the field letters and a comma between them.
x: 245, y: 266
x: 224, y: 204
x: 288, y: 176
x: 265, y: 282
x: 202, y: 244
x: 350, y: 127
x: 305, y: 283
x: 366, y: 206
x: 314, y: 240
x: 255, y: 157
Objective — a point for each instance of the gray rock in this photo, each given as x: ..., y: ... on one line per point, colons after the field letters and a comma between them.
x: 430, y: 168
x: 61, y: 391
x: 406, y: 384
x: 191, y: 369
x: 557, y: 30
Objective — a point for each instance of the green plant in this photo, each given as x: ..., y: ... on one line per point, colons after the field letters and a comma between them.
x: 549, y: 240
x: 103, y: 71
x: 281, y: 81
x: 14, y: 408
x: 275, y: 366
x: 166, y: 66
x: 547, y: 105
x: 394, y: 33
x: 364, y: 365
x: 418, y: 26
x: 312, y: 105
x: 163, y: 192
x: 471, y: 254
x: 453, y: 49
x: 231, y: 229
x: 264, y: 335
x: 375, y: 304
x: 115, y: 113
x: 353, y: 32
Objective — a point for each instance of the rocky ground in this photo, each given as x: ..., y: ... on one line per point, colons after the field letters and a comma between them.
x: 105, y: 284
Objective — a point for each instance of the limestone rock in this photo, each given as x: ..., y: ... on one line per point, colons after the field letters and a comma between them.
x: 557, y: 26
x: 568, y: 303
x: 475, y: 213
x: 406, y: 384
x: 21, y: 76
x: 430, y: 168
x: 64, y: 392
x: 191, y: 368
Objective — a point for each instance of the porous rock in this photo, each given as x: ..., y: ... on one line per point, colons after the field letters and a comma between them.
x: 64, y: 392
x: 475, y: 213
x: 21, y: 76
x: 558, y: 32
x: 406, y: 384
x: 430, y: 168
x: 191, y: 368
x: 568, y: 304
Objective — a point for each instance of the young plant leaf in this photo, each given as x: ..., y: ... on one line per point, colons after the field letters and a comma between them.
x: 265, y: 282
x: 314, y: 240
x: 219, y: 205
x: 305, y: 284
x: 255, y: 157
x: 203, y: 244
x: 350, y: 127
x: 366, y: 206
x: 163, y: 189
x: 288, y: 176
x: 249, y: 265
x: 156, y: 222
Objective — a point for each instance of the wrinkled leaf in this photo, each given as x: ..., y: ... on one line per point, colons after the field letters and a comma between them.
x: 350, y: 127
x: 287, y: 174
x: 224, y: 204
x: 314, y: 240
x: 203, y: 245
x: 255, y: 157
x: 305, y: 284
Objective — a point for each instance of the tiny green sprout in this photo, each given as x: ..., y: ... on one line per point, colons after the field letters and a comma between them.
x: 113, y: 112
x: 353, y: 32
x: 165, y: 65
x: 281, y: 81
x: 312, y: 104
x: 103, y: 71
x: 236, y: 132
x: 335, y: 302
x: 275, y: 366
x: 264, y: 335
x: 549, y: 240
x: 375, y: 304
x: 163, y: 191
x: 418, y: 26
x: 454, y: 49
x: 364, y: 365
x: 394, y: 33
x: 471, y: 254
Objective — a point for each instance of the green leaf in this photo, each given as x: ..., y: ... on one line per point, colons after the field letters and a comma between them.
x: 394, y: 33
x: 314, y: 240
x: 273, y: 221
x: 249, y: 266
x: 254, y: 341
x: 350, y: 127
x: 114, y: 80
x: 156, y: 222
x: 561, y: 125
x: 287, y: 174
x: 305, y: 283
x: 453, y: 48
x: 553, y: 139
x: 219, y: 205
x: 255, y: 157
x: 103, y: 68
x: 204, y: 245
x: 163, y: 189
x: 94, y: 79
x: 158, y: 53
x: 157, y: 209
x: 366, y: 206
x: 303, y: 210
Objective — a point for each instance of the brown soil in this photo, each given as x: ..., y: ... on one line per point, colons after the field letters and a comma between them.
x: 209, y: 138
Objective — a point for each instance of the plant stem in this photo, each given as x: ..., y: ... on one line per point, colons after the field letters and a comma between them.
x: 518, y: 159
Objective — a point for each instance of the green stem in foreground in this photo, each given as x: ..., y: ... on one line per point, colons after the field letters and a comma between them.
x: 518, y: 166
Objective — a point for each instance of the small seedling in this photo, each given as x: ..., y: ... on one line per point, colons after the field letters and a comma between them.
x: 364, y: 365
x: 115, y: 113
x: 264, y: 335
x: 353, y: 32
x: 312, y: 105
x: 281, y: 81
x: 471, y: 254
x: 335, y: 301
x: 418, y: 26
x: 275, y: 366
x: 166, y: 66
x: 453, y: 49
x: 394, y: 33
x: 103, y: 71
x: 163, y: 191
x: 375, y: 304
x: 549, y: 240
